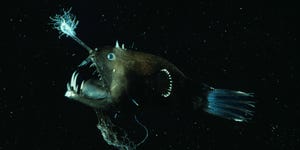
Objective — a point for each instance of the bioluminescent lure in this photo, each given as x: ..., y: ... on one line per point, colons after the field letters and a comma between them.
x: 66, y: 25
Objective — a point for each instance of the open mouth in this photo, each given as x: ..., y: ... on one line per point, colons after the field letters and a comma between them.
x: 87, y: 82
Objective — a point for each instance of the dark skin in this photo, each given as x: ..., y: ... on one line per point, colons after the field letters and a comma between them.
x: 132, y: 74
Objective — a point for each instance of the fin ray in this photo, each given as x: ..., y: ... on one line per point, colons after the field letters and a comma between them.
x: 229, y: 104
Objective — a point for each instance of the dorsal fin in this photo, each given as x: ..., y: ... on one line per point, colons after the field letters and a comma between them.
x: 117, y: 44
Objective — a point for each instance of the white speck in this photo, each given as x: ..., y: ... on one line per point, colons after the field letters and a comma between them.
x: 137, y: 104
x: 238, y: 120
x: 241, y: 8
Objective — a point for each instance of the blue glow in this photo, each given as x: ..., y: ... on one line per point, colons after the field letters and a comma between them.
x: 65, y: 24
x: 234, y: 105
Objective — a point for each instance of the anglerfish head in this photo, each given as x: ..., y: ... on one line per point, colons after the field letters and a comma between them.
x: 100, y: 79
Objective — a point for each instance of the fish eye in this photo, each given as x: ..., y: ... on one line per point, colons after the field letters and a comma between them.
x: 111, y: 56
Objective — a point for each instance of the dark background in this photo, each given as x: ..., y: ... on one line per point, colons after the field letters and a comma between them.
x: 247, y: 46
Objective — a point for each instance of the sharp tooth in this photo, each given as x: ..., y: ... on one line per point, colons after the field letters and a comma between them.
x: 81, y: 86
x: 72, y: 80
x: 117, y: 44
x: 92, y: 65
x: 123, y: 46
x: 76, y: 86
x: 68, y: 87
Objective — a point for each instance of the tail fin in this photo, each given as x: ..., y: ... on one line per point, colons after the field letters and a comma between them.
x: 233, y: 105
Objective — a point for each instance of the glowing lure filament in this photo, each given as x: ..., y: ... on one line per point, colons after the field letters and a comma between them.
x: 66, y: 25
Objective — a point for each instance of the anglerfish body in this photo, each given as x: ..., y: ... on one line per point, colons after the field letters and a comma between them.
x: 118, y: 75
x: 123, y: 81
